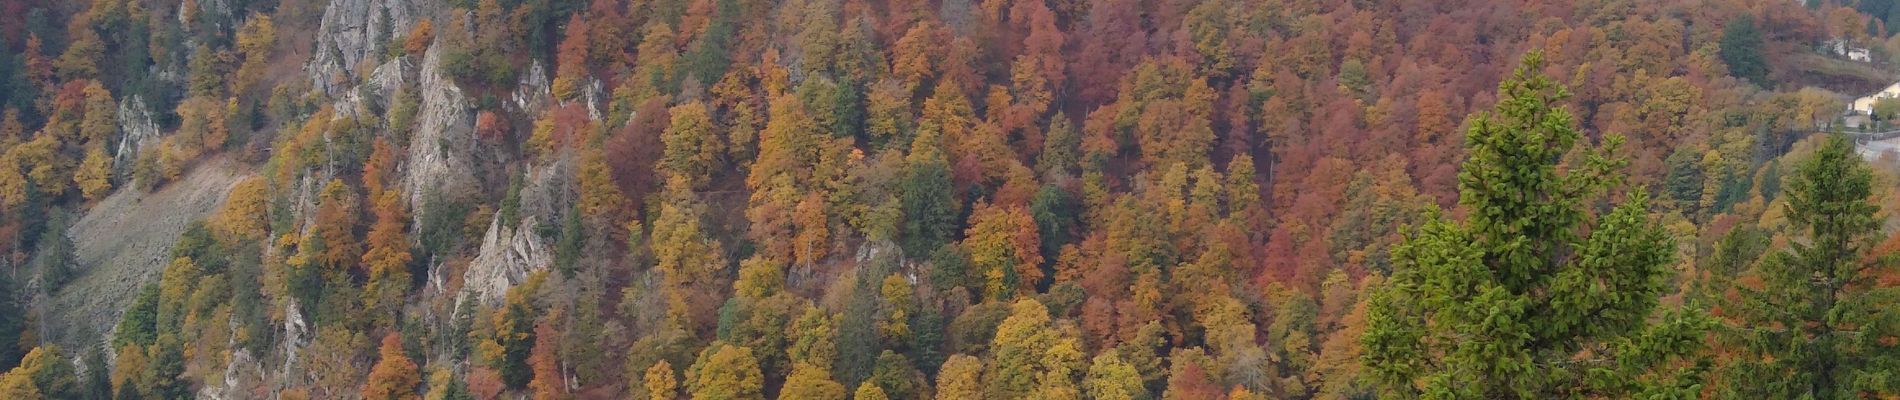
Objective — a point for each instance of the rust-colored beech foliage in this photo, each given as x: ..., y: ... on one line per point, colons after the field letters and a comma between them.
x: 952, y: 199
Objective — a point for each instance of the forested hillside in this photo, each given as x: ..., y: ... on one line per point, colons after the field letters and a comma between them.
x: 949, y: 199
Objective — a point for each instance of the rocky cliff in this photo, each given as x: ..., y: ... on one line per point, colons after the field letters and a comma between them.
x: 136, y: 130
x: 442, y: 148
x: 353, y: 31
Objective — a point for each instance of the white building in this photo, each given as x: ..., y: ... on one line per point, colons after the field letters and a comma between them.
x: 1865, y: 104
x: 1840, y: 48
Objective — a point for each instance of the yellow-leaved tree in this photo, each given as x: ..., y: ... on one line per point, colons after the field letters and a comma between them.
x: 94, y: 176
x: 726, y: 372
x: 1005, y: 247
x: 811, y: 382
x: 245, y: 211
x: 960, y: 378
x: 660, y: 382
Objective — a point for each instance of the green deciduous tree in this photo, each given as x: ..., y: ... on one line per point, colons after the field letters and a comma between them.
x: 1110, y: 378
x: 813, y: 338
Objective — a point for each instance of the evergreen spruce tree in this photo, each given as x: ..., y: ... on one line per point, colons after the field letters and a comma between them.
x: 1530, y: 296
x: 930, y: 210
x: 1820, y: 326
x: 11, y: 324
x: 1742, y: 50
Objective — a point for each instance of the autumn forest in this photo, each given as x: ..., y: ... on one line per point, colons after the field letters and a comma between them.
x: 949, y: 199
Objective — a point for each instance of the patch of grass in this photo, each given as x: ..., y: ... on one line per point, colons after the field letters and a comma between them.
x: 1835, y: 74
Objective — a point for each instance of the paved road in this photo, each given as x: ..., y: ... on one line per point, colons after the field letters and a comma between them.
x: 1874, y: 144
x: 1872, y: 150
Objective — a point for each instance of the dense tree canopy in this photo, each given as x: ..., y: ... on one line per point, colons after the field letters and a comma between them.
x: 902, y: 199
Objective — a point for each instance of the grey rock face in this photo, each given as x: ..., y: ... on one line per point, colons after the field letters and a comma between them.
x: 353, y: 31
x: 595, y: 94
x: 296, y: 335
x: 442, y: 148
x: 136, y: 130
x: 534, y: 94
x: 547, y: 189
x: 507, y: 256
x: 379, y: 91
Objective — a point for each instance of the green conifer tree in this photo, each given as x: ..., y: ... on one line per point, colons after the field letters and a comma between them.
x: 1820, y: 326
x: 1525, y: 298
